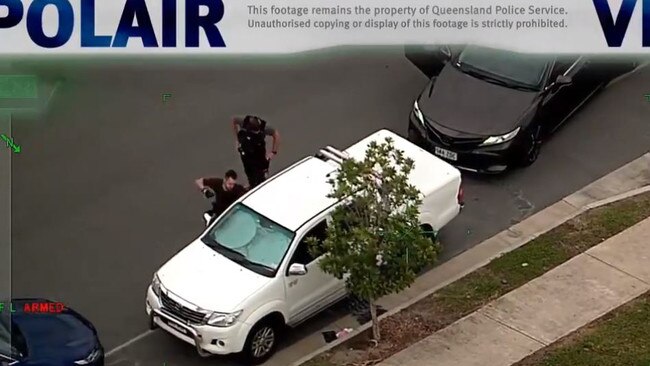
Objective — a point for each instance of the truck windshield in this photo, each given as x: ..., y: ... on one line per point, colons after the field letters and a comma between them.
x: 250, y: 239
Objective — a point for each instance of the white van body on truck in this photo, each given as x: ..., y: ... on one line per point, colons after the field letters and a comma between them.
x: 250, y: 273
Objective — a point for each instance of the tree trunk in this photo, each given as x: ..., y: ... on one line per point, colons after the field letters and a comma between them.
x: 375, y: 322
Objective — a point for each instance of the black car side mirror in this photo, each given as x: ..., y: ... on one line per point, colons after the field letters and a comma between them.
x: 563, y: 80
x: 559, y: 81
x: 446, y: 52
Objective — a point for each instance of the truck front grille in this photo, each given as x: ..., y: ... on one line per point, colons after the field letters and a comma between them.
x: 181, y: 312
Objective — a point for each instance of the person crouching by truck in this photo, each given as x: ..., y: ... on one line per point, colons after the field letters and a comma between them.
x: 250, y: 140
x: 225, y: 192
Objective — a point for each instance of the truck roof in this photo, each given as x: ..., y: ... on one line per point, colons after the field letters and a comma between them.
x: 295, y: 195
x: 300, y: 192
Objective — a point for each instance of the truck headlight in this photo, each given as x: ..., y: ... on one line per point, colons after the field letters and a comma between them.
x: 155, y: 285
x: 224, y: 319
x: 418, y: 112
x: 92, y: 357
x: 495, y: 140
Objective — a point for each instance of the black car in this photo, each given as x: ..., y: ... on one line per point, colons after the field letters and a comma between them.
x: 487, y: 110
x: 61, y: 337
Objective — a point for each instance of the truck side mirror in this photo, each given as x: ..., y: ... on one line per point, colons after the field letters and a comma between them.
x: 297, y: 269
x: 563, y: 80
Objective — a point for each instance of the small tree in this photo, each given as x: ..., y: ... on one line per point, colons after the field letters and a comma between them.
x: 375, y: 240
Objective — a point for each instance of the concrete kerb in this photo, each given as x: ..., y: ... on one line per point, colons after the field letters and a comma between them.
x: 514, y: 245
x: 619, y: 197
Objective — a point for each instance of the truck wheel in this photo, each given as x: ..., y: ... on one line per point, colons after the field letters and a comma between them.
x: 261, y: 342
x: 430, y: 233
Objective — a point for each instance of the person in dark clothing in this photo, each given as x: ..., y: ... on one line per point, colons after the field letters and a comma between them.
x: 224, y: 190
x: 250, y: 140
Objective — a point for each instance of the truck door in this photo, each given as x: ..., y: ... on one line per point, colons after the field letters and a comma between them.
x: 314, y: 290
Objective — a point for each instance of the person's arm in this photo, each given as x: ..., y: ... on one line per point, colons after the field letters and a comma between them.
x: 200, y: 183
x: 236, y: 126
x: 203, y: 183
x: 275, y: 135
x: 276, y: 141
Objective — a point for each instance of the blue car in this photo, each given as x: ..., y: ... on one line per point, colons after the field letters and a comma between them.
x: 58, y: 336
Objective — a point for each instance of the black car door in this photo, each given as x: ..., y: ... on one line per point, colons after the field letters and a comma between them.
x: 571, y: 82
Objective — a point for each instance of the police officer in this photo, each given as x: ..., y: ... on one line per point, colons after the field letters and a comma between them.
x: 250, y: 136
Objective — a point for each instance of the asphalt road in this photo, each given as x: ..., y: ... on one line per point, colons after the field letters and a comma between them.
x: 103, y: 190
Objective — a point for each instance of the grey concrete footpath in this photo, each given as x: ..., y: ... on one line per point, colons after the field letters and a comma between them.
x: 630, y: 179
x: 543, y: 310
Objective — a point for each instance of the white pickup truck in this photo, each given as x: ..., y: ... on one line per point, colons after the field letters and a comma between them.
x: 250, y: 274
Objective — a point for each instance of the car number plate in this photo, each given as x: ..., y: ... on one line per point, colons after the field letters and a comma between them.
x: 446, y: 153
x: 177, y: 327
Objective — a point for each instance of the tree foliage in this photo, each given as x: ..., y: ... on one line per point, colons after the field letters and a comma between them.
x: 374, y: 239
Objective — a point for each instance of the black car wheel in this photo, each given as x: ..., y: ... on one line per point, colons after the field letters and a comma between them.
x: 261, y: 342
x: 531, y: 148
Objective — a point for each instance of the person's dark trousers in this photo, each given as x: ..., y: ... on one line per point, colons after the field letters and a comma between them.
x: 212, y: 220
x: 256, y: 170
x: 213, y: 216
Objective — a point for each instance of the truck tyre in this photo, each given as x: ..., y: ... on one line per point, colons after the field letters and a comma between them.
x: 261, y: 342
x: 430, y: 233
